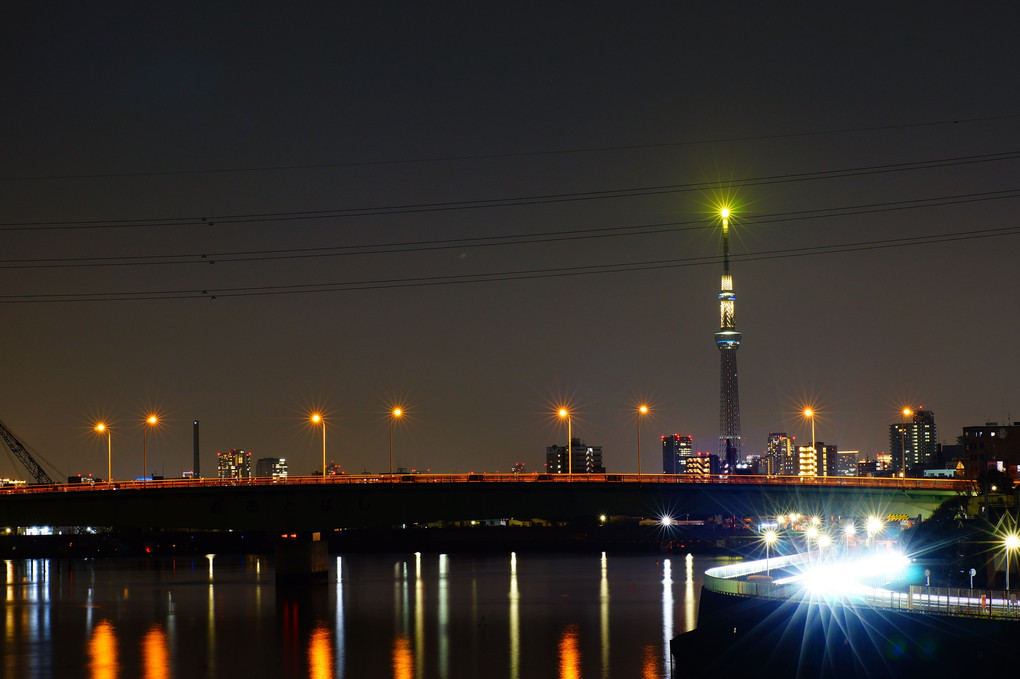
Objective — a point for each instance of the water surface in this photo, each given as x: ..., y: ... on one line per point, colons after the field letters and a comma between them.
x: 398, y: 615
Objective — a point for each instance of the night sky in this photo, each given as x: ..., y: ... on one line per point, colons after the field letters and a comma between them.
x: 485, y: 210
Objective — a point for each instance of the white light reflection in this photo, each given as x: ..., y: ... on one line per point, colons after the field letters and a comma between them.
x: 405, y: 610
x: 515, y: 620
x: 604, y: 616
x: 32, y: 591
x: 690, y: 615
x: 211, y: 648
x: 211, y: 652
x: 667, y: 609
x: 341, y: 651
x: 171, y: 621
x: 419, y: 619
x: 397, y: 610
x: 444, y: 618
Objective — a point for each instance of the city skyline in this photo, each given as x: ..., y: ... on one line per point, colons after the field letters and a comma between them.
x: 484, y: 216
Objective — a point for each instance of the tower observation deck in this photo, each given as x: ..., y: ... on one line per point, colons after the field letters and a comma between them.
x: 728, y: 341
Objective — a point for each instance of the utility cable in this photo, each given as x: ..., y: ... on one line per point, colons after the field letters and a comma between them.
x: 419, y: 208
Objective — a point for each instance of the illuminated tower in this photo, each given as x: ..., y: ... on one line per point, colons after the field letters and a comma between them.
x: 728, y: 341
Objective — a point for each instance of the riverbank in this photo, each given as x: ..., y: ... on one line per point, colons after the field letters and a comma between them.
x: 480, y: 539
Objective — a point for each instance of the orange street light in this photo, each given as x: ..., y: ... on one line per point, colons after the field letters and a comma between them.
x: 642, y: 410
x: 907, y: 412
x: 810, y: 414
x: 150, y: 421
x: 565, y: 414
x: 317, y: 418
x: 394, y: 415
x: 102, y: 428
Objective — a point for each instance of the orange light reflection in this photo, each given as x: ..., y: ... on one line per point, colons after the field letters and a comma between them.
x: 570, y: 655
x: 155, y: 656
x: 320, y: 653
x: 103, y: 651
x: 648, y: 659
x: 403, y: 659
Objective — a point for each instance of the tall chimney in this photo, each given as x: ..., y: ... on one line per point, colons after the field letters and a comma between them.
x: 195, y: 470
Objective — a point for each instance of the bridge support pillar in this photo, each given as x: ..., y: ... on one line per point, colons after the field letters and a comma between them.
x: 301, y: 558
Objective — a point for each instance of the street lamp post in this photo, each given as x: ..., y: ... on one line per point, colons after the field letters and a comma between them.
x: 642, y: 410
x: 150, y: 421
x: 103, y: 428
x: 810, y: 414
x: 564, y: 413
x: 907, y: 412
x: 874, y: 526
x: 397, y: 412
x: 317, y: 418
x: 824, y: 541
x: 1011, y: 542
x: 810, y: 534
x: 770, y: 538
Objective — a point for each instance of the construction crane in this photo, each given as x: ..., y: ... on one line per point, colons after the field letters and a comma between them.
x: 34, y: 469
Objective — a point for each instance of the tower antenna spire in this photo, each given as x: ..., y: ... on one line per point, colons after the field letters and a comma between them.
x: 728, y: 341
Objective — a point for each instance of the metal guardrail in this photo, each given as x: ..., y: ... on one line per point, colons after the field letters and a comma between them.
x: 947, y: 485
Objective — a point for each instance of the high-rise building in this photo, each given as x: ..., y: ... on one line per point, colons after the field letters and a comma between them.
x: 728, y: 341
x: 676, y: 450
x: 703, y: 464
x: 807, y: 460
x: 913, y: 442
x: 234, y: 464
x: 585, y: 459
x: 780, y: 449
x: 817, y: 460
x: 994, y: 445
x: 271, y: 467
x: 846, y: 462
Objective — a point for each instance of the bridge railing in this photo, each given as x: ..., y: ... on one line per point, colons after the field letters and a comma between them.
x: 957, y: 485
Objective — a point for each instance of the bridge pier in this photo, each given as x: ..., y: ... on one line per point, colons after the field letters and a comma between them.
x: 301, y: 558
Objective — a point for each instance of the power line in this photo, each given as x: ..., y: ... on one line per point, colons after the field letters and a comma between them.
x: 418, y: 208
x: 522, y: 154
x: 491, y: 241
x: 461, y: 279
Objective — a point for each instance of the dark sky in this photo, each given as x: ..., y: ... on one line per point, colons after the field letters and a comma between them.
x: 359, y: 174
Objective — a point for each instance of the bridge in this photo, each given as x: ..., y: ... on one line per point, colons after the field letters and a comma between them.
x: 380, y: 501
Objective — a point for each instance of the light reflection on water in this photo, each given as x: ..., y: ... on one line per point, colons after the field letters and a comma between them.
x: 667, y: 609
x: 103, y: 651
x: 403, y: 616
x: 155, y: 654
x: 570, y: 656
x: 403, y: 660
x: 320, y: 653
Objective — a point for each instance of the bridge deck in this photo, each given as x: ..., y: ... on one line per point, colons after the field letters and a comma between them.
x: 338, y: 502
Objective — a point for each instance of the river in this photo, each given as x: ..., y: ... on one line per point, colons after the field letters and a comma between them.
x: 406, y: 616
